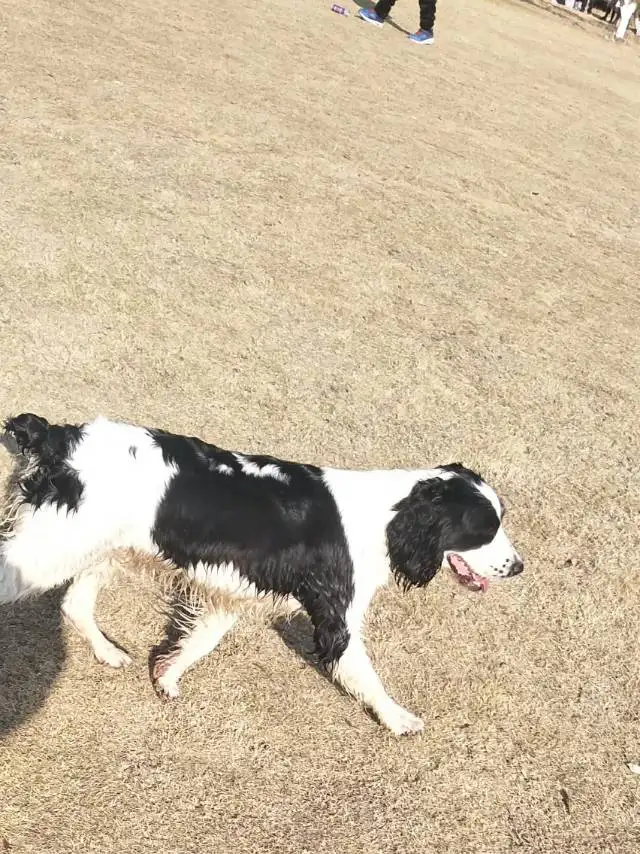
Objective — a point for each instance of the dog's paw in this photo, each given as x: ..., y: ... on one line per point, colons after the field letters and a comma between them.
x: 111, y: 655
x: 167, y: 688
x: 164, y: 683
x: 162, y: 665
x: 402, y: 722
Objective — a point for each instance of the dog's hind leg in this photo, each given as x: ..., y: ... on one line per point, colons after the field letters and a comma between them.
x: 78, y: 606
x: 204, y: 633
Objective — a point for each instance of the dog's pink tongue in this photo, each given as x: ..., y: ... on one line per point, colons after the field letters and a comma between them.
x: 483, y: 582
x: 467, y: 576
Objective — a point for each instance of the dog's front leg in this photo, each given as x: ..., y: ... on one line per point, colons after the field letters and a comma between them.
x: 355, y: 673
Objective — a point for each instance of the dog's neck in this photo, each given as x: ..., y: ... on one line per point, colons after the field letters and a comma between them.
x: 378, y: 490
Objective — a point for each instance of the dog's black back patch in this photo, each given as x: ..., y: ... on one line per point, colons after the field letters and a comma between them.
x: 281, y: 533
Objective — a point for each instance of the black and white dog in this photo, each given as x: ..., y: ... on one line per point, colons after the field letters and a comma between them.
x: 245, y: 526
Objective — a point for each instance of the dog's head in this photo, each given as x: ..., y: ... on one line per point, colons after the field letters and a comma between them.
x: 452, y: 519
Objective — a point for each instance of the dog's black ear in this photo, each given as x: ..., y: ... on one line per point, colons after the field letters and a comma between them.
x: 414, y: 535
x: 29, y: 431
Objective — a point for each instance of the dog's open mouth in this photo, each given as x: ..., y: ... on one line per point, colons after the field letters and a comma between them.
x: 466, y: 575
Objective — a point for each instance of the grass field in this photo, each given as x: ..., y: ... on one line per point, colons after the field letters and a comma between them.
x: 289, y: 232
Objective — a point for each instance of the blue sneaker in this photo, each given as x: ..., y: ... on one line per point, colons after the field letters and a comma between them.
x: 371, y: 17
x: 422, y: 37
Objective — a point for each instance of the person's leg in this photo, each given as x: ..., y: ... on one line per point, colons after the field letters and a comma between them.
x: 626, y: 13
x: 427, y: 20
x: 613, y: 12
x: 378, y: 14
x: 383, y: 7
x: 427, y: 15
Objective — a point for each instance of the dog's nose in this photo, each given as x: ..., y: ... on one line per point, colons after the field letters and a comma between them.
x: 516, y: 567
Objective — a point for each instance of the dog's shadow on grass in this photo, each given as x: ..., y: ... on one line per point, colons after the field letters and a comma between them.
x: 297, y: 634
x: 32, y: 652
x: 366, y: 4
x: 32, y: 647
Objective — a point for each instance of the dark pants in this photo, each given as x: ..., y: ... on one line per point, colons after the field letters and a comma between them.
x: 427, y: 11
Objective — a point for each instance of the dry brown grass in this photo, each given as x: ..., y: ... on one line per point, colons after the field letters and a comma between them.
x: 287, y: 231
